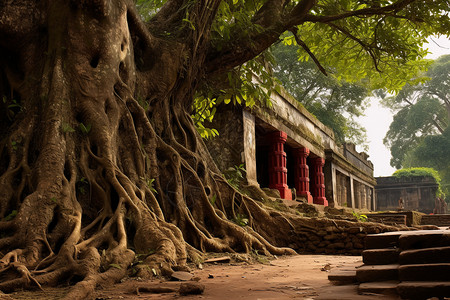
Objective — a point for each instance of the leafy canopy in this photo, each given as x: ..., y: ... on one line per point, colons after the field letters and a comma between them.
x: 419, y: 135
x: 334, y: 102
x: 380, y: 41
x: 421, y: 110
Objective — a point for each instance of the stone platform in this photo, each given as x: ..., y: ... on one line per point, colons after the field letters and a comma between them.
x: 412, y: 265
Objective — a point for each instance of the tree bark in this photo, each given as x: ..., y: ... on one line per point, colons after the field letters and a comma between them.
x: 101, y: 166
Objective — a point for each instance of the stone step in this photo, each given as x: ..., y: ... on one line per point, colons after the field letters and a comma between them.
x: 381, y: 287
x: 382, y: 240
x: 342, y: 276
x: 424, y: 239
x: 380, y: 256
x: 423, y: 290
x: 368, y: 273
x: 425, y: 272
x: 342, y: 292
x: 424, y: 256
x: 438, y: 220
x: 388, y: 219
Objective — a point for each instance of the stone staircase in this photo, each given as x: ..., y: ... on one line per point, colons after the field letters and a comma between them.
x: 412, y: 265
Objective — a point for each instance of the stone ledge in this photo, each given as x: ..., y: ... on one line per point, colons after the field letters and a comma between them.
x: 377, y: 273
x: 423, y: 290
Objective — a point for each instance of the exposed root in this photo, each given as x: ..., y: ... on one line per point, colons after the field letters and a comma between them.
x: 102, y: 172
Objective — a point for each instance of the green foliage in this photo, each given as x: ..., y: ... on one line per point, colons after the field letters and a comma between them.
x: 247, y: 85
x: 241, y: 220
x: 385, y: 49
x: 115, y: 266
x: 150, y: 184
x: 67, y: 128
x: 213, y: 199
x: 421, y: 110
x: 235, y: 175
x: 85, y: 128
x: 348, y: 45
x: 82, y: 185
x: 204, y: 110
x: 415, y: 172
x: 360, y: 217
x: 334, y: 102
x: 11, y: 216
x: 12, y: 107
x: 419, y: 135
x: 148, y: 8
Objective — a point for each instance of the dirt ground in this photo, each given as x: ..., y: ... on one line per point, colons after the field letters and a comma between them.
x: 292, y: 277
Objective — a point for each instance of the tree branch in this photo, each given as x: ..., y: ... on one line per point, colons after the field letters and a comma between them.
x: 372, y: 11
x: 275, y: 20
x: 314, y: 58
x: 366, y: 47
x: 169, y: 14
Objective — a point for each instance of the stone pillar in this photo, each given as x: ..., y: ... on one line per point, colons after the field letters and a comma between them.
x: 301, y: 173
x: 363, y: 196
x: 277, y: 164
x: 319, y: 182
x: 249, y: 147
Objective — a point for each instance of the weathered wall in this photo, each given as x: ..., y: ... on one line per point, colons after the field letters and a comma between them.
x: 336, y: 236
x: 418, y: 193
x: 358, y: 159
x: 227, y: 149
x: 438, y: 220
x: 347, y: 184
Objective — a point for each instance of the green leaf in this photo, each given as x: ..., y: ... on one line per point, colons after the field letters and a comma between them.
x: 116, y: 266
x: 85, y: 128
x: 67, y: 128
x: 11, y: 216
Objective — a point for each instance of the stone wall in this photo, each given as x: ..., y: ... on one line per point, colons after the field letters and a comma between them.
x: 418, y: 193
x: 438, y: 220
x: 358, y: 159
x: 336, y: 236
x: 227, y: 149
x: 348, y: 185
x: 343, y: 197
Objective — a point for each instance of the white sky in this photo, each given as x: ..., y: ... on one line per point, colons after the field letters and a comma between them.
x: 378, y: 119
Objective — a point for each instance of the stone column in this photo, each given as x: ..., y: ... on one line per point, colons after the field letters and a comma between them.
x: 277, y: 164
x: 301, y: 174
x: 363, y: 196
x: 319, y: 182
x: 249, y: 147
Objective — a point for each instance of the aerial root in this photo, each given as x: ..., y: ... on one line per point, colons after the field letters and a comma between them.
x: 25, y: 273
x: 10, y: 261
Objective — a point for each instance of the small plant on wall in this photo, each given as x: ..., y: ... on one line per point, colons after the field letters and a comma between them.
x: 235, y: 175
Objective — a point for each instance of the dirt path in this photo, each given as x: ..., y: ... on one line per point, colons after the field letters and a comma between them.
x: 291, y: 277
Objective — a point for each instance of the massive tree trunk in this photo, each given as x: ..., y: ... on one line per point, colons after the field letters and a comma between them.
x: 101, y: 167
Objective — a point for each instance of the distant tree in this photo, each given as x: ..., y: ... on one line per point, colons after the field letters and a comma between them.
x: 419, y: 135
x: 433, y: 152
x: 335, y: 102
x: 421, y: 110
